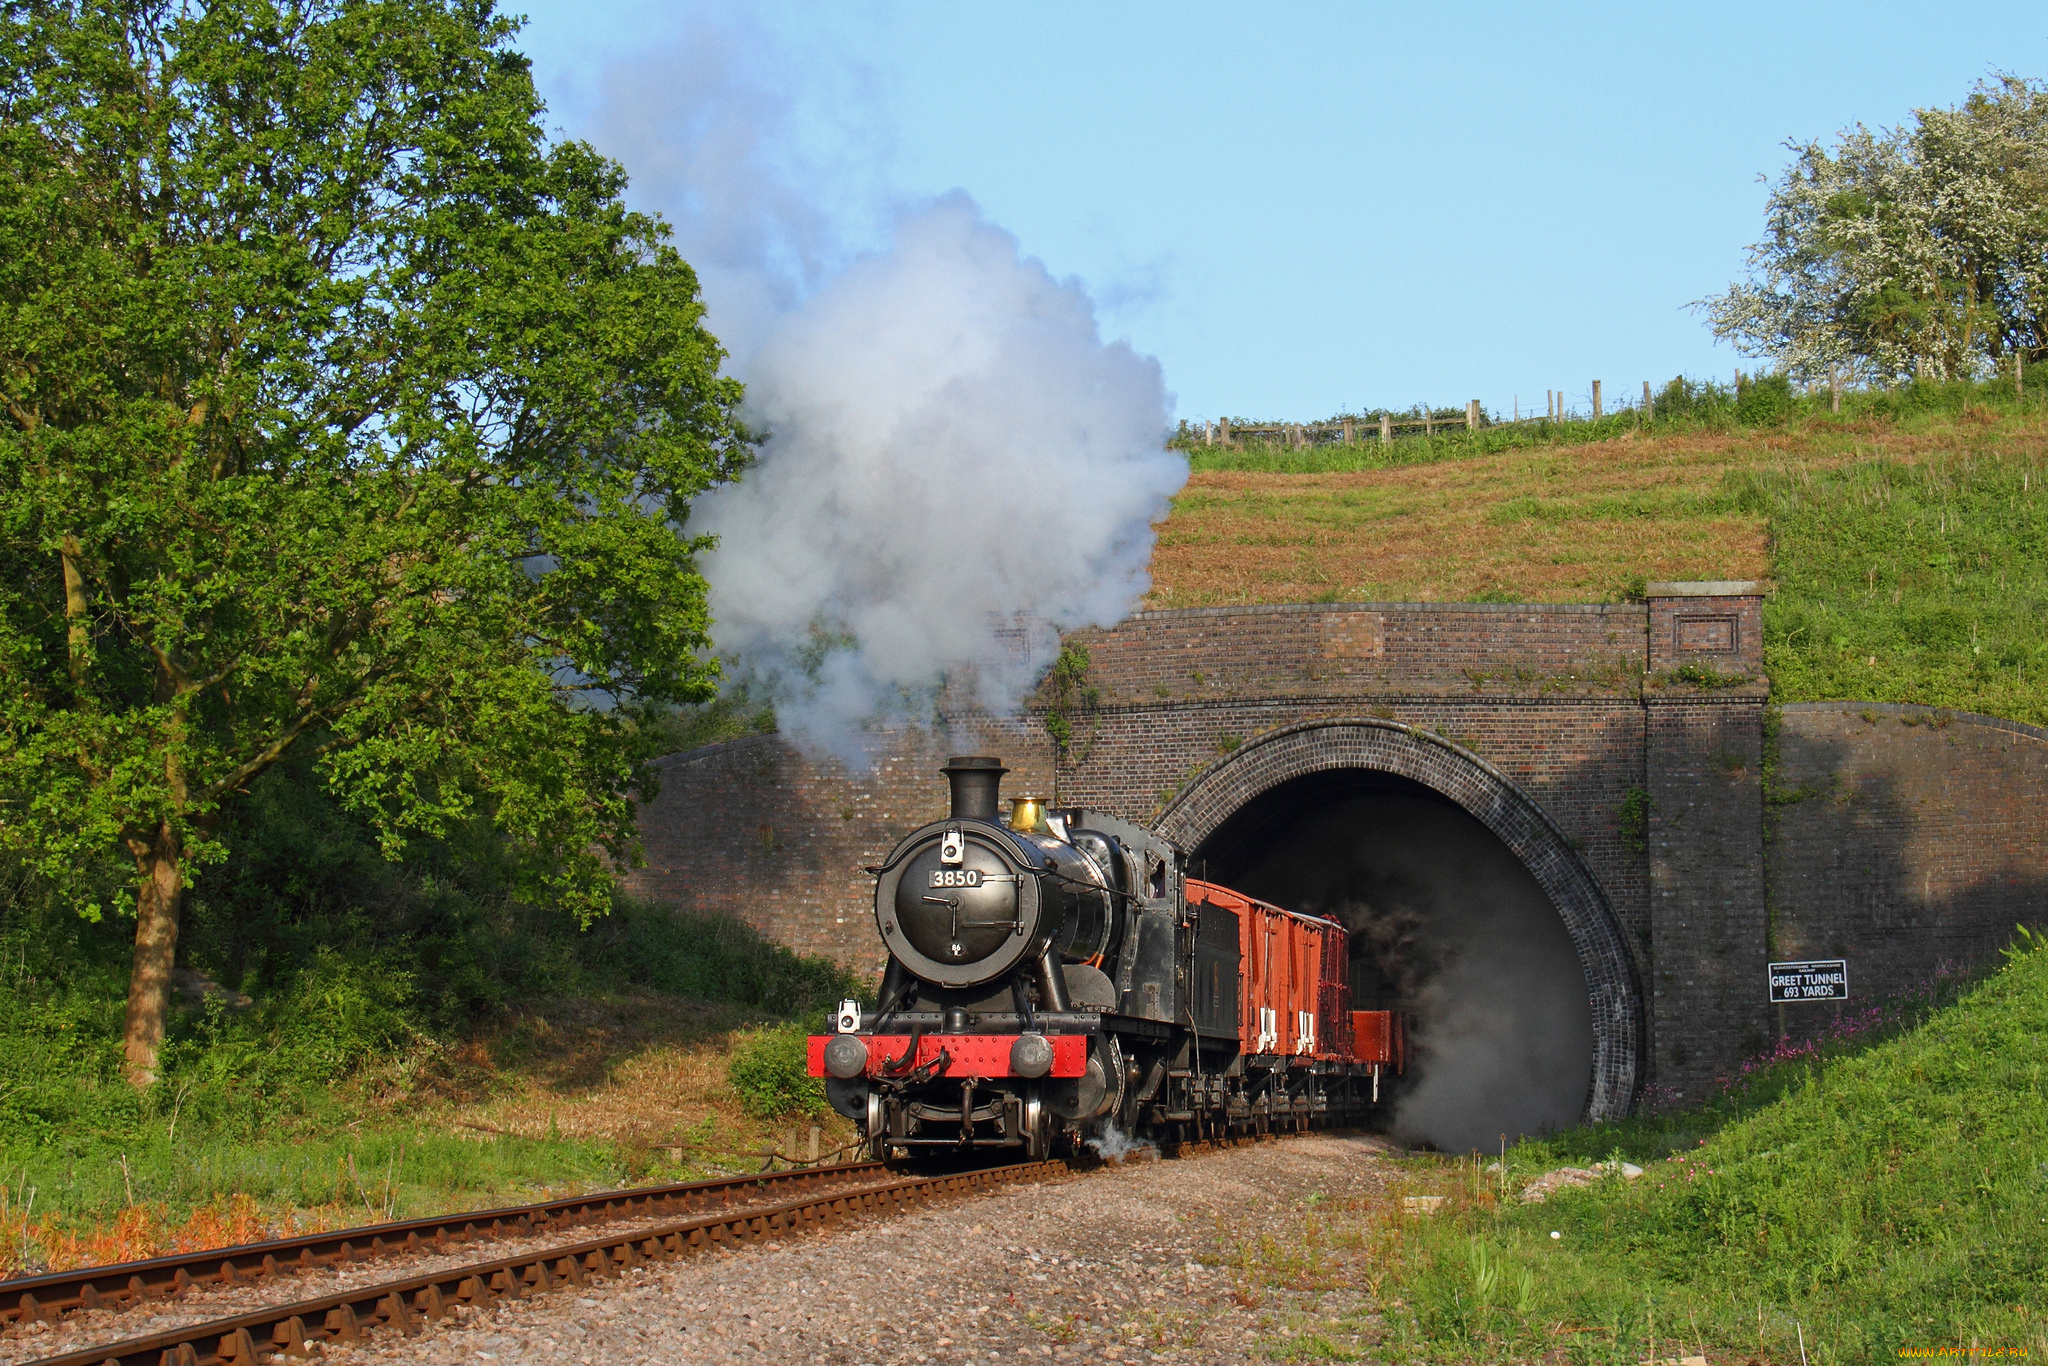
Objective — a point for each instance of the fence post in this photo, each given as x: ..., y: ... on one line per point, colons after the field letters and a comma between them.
x: 1350, y: 431
x: 1649, y: 404
x: 1386, y: 428
x: 1223, y: 430
x: 1472, y: 415
x: 1834, y: 389
x: 1596, y: 400
x: 1428, y: 423
x: 2019, y: 374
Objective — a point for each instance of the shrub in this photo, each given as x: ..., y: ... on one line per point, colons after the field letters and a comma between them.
x: 1766, y: 401
x: 1694, y: 400
x: 769, y: 1074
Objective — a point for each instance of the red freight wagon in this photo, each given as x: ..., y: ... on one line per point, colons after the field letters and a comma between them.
x: 1377, y: 1037
x: 1295, y: 998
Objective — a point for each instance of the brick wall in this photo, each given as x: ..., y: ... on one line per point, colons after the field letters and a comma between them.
x: 1904, y: 839
x: 1703, y: 776
x: 779, y: 838
x: 1719, y: 626
x: 1364, y: 649
x: 1915, y: 843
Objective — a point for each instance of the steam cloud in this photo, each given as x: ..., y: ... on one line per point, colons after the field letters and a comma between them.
x: 956, y: 464
x: 1447, y: 924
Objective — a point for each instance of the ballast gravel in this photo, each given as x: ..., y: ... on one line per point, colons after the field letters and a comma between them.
x: 1131, y: 1263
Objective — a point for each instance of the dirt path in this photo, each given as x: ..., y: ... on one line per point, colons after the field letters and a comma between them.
x: 1198, y: 1260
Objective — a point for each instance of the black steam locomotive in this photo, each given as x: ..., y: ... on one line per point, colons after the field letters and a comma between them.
x: 1056, y: 974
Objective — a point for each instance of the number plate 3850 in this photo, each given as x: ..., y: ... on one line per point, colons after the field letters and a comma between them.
x: 956, y: 877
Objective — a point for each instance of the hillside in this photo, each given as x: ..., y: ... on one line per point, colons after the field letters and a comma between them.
x: 1909, y: 555
x: 1857, y: 1208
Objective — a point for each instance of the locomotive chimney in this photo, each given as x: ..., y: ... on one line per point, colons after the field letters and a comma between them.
x: 974, y: 779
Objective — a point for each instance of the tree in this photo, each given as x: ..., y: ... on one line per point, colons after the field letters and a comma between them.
x: 1918, y: 251
x: 347, y: 418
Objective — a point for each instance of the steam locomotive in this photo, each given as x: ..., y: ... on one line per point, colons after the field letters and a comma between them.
x: 1056, y: 975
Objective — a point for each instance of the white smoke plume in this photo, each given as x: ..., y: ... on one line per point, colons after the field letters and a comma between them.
x: 952, y: 449
x: 956, y: 463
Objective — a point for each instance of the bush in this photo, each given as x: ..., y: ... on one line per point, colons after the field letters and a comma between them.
x: 768, y: 1072
x: 1694, y: 400
x: 1766, y: 401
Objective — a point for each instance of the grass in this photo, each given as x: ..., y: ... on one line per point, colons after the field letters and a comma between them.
x: 1906, y: 540
x: 368, y: 1040
x: 1910, y: 581
x: 1846, y: 1202
x: 563, y: 1096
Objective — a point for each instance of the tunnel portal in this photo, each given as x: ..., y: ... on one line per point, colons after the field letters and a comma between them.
x: 1447, y: 924
x: 1465, y: 895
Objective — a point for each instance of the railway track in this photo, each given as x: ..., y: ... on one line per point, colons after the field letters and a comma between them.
x: 54, y: 1295
x: 717, y: 1214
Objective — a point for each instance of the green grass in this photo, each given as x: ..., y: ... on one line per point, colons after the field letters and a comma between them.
x: 1907, y: 536
x: 1890, y: 1198
x: 1898, y: 582
x: 357, y: 1001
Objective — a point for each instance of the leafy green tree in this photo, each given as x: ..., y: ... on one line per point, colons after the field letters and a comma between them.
x: 346, y: 417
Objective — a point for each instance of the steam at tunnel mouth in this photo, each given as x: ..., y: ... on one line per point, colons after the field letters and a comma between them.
x: 1446, y: 924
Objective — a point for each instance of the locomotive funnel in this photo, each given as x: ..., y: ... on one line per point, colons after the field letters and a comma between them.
x: 974, y: 779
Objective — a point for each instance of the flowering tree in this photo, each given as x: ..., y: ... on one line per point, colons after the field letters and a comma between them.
x: 1918, y: 251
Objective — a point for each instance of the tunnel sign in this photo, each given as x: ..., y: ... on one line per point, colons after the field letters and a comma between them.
x: 1825, y: 980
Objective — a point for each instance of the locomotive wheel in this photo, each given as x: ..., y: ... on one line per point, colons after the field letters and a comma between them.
x: 1038, y: 1131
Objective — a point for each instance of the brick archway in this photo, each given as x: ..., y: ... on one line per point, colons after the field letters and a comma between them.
x: 1231, y: 783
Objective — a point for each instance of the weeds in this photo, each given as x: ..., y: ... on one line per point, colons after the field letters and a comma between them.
x: 769, y: 1073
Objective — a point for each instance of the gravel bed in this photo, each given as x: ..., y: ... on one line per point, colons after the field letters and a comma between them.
x: 21, y: 1343
x: 1130, y: 1263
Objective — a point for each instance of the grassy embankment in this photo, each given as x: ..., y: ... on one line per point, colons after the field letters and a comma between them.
x: 1880, y: 1194
x: 1861, y: 1200
x: 390, y: 1040
x: 1907, y: 539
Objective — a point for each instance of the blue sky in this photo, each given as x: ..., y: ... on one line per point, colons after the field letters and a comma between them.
x: 1305, y: 208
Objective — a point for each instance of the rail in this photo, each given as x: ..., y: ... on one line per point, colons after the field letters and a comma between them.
x: 403, y: 1307
x: 53, y: 1294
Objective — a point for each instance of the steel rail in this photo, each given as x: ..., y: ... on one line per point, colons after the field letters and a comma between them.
x: 52, y: 1295
x: 404, y: 1307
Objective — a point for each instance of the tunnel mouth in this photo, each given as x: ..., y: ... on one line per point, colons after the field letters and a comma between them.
x: 1448, y: 924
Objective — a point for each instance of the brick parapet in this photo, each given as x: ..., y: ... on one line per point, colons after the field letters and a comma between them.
x: 1364, y: 649
x: 1713, y: 626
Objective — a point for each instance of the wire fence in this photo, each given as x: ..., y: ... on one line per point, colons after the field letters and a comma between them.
x: 1425, y: 422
